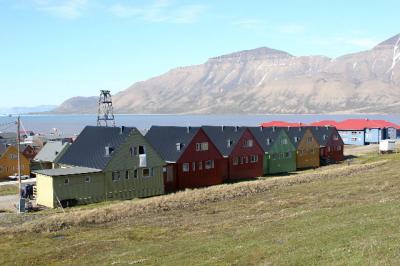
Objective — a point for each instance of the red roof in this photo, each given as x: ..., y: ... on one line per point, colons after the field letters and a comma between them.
x: 349, y: 124
x: 282, y: 124
x: 323, y: 123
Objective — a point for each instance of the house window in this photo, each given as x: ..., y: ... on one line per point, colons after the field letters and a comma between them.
x: 133, y: 151
x: 13, y: 156
x: 281, y: 155
x: 209, y: 164
x: 329, y: 149
x: 194, y: 166
x: 229, y: 143
x: 301, y: 152
x: 185, y: 167
x: 324, y: 137
x: 115, y: 176
x: 126, y: 174
x: 241, y: 160
x: 135, y: 173
x: 309, y: 139
x: 1, y: 169
x: 248, y: 143
x: 147, y: 172
x: 235, y: 161
x: 200, y: 165
x: 142, y: 149
x: 287, y: 154
x: 339, y: 148
x: 179, y: 146
x: 246, y: 159
x: 335, y: 137
x: 87, y: 179
x: 253, y: 158
x: 66, y: 181
x: 284, y: 141
x: 296, y: 139
x: 202, y: 146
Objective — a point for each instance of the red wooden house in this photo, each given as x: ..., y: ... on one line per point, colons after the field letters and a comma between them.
x: 243, y: 155
x: 192, y: 160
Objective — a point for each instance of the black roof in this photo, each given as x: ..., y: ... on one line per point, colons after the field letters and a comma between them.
x: 89, y: 149
x: 295, y: 132
x: 263, y: 133
x: 164, y: 140
x: 220, y: 135
x: 323, y: 133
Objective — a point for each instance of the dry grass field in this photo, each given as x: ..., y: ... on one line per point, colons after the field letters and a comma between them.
x: 336, y: 215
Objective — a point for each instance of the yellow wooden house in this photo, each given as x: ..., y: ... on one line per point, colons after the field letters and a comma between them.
x: 9, y: 162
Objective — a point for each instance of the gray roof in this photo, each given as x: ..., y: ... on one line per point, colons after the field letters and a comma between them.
x: 67, y: 171
x: 50, y: 151
x: 8, y: 135
x: 295, y: 132
x: 261, y: 134
x: 89, y: 148
x: 323, y: 134
x: 220, y: 135
x: 3, y: 148
x: 164, y: 140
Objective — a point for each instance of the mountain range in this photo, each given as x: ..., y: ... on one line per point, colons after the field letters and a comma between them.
x: 266, y: 81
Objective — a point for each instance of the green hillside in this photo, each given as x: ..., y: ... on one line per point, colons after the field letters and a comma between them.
x: 336, y: 215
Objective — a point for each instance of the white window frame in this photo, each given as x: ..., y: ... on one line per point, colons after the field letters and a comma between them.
x: 88, y: 179
x: 209, y: 164
x: 185, y: 167
x: 150, y: 172
x: 66, y: 181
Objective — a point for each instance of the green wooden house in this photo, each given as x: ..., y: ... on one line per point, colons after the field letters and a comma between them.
x: 279, y: 151
x: 104, y: 163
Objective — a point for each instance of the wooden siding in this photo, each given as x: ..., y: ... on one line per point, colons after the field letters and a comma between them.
x: 196, y: 177
x: 240, y: 165
x: 122, y: 161
x: 307, y: 151
x: 281, y: 158
x: 45, y: 191
x: 9, y: 163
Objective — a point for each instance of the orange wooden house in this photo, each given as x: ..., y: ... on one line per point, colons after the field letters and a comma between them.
x: 9, y: 162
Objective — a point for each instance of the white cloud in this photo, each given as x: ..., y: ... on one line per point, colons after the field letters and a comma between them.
x: 69, y: 9
x: 363, y: 42
x: 291, y: 28
x: 255, y: 24
x: 159, y: 11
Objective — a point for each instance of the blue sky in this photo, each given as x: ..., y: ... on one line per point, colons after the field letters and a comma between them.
x: 51, y: 50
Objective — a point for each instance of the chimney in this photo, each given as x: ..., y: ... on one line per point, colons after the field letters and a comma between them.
x: 188, y: 129
x: 261, y: 128
x: 108, y: 150
x: 222, y: 128
x: 122, y: 129
x: 273, y: 129
x: 236, y: 128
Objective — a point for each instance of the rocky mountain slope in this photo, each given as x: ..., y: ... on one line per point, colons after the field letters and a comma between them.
x: 265, y: 80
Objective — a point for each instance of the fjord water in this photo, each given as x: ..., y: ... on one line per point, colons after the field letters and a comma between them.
x: 73, y: 124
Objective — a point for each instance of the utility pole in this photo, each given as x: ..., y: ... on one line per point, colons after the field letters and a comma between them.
x: 105, y: 112
x: 21, y: 204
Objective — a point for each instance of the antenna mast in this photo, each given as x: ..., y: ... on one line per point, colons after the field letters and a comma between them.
x: 105, y: 113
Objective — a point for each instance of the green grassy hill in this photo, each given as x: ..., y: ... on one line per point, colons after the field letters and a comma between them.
x: 335, y: 215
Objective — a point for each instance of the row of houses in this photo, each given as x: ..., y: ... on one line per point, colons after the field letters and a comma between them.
x: 35, y: 152
x: 108, y: 163
x: 363, y: 131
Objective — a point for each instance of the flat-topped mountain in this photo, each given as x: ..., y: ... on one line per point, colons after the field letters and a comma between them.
x: 266, y: 80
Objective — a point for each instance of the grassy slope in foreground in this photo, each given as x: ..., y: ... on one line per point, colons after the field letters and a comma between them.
x: 349, y: 219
